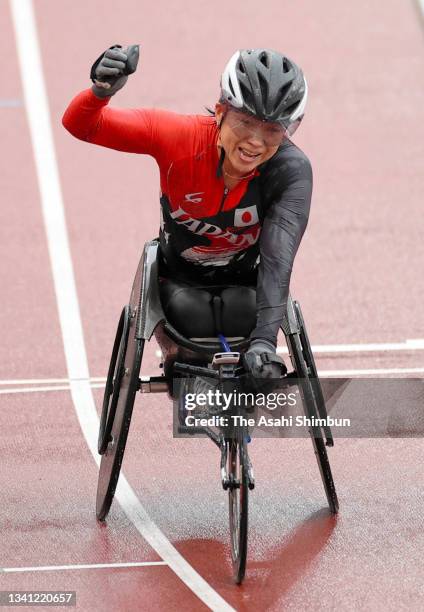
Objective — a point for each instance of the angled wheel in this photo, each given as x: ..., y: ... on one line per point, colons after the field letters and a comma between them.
x: 238, y: 497
x: 310, y: 362
x: 113, y: 381
x: 310, y: 407
x: 117, y: 411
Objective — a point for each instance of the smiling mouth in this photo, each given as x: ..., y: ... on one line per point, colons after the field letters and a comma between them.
x: 246, y: 155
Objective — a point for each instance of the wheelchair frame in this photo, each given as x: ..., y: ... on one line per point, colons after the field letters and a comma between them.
x: 142, y: 318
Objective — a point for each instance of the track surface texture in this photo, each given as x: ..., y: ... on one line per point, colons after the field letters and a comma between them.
x: 358, y: 276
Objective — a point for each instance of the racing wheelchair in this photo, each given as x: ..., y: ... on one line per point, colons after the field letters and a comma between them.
x: 186, y: 359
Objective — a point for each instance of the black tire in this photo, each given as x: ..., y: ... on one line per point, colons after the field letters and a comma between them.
x: 238, y: 498
x: 310, y: 362
x: 113, y: 381
x: 111, y: 462
x: 309, y: 403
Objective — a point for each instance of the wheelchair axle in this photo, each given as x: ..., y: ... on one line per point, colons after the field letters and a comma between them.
x: 152, y: 384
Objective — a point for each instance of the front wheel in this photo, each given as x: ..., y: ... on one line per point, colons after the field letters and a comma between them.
x: 238, y: 497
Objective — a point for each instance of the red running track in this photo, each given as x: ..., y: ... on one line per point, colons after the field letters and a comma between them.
x: 357, y: 276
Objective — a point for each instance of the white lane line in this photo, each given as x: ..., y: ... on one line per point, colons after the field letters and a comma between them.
x: 34, y: 389
x: 370, y: 372
x: 34, y: 381
x: 408, y: 345
x: 42, y: 389
x: 47, y: 381
x: 61, y: 568
x: 38, y: 114
x: 10, y: 103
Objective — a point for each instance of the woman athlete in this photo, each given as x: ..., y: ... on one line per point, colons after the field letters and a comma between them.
x: 235, y: 191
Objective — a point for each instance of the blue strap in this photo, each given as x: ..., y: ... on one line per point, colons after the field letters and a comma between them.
x: 224, y: 343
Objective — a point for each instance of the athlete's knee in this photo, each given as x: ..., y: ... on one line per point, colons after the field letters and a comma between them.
x: 188, y: 309
x: 238, y: 310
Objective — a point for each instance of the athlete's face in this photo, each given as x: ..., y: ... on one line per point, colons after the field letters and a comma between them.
x: 247, y: 141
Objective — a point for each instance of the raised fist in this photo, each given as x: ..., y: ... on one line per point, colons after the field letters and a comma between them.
x: 110, y: 71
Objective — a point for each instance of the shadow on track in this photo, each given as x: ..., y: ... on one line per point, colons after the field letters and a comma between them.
x: 286, y: 564
x: 266, y: 581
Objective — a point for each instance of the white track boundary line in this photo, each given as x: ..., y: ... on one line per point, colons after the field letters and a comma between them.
x: 38, y: 114
x: 62, y: 568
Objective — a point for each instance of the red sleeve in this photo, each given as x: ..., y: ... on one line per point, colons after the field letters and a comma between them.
x: 154, y: 132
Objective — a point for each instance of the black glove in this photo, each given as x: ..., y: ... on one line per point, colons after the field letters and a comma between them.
x: 110, y: 71
x: 261, y: 361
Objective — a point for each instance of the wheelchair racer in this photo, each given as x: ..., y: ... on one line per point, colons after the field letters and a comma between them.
x: 235, y: 190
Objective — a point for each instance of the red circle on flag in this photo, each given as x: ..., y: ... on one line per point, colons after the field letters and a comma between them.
x: 246, y: 217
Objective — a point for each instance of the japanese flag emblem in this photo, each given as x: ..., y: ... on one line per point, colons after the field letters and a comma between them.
x: 245, y: 216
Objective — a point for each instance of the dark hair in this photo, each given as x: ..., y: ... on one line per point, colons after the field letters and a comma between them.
x: 210, y: 111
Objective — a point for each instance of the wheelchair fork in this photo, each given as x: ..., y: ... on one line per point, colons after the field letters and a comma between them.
x: 224, y: 472
x: 228, y: 482
x: 247, y: 466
